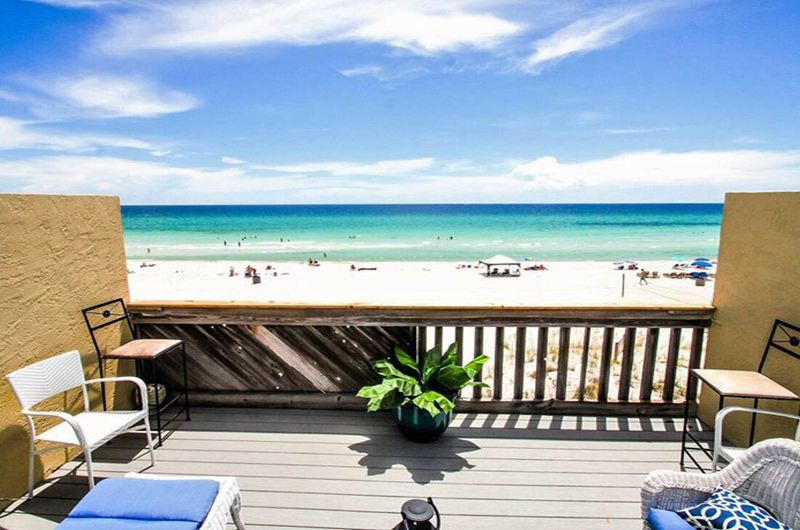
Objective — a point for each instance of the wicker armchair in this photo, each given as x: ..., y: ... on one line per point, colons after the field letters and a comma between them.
x: 768, y: 474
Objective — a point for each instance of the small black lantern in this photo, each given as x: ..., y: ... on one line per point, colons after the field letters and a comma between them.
x: 417, y: 515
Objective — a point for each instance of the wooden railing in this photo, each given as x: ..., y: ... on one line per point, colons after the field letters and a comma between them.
x: 570, y: 360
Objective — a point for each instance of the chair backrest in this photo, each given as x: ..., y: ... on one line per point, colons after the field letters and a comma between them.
x: 102, y: 315
x: 47, y: 378
x: 785, y: 338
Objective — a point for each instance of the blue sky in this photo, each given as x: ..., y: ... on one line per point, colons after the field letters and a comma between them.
x: 367, y: 101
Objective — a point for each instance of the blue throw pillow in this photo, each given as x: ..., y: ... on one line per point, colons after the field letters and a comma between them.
x: 726, y: 510
x: 666, y: 520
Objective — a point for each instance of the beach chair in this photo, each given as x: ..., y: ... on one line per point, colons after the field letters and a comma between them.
x: 87, y: 430
x: 158, y: 501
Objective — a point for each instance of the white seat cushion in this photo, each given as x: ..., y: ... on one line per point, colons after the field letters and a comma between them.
x: 98, y: 427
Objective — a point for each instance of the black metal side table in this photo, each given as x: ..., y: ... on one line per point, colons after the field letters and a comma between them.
x: 142, y: 351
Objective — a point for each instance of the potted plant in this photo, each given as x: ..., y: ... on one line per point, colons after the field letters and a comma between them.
x: 421, y: 397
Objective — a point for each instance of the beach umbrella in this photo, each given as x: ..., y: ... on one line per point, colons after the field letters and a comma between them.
x: 701, y: 264
x: 702, y: 259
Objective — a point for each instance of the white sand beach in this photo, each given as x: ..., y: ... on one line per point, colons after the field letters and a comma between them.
x: 575, y: 284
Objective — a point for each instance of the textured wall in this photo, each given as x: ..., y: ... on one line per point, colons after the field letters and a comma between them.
x: 57, y: 255
x: 758, y: 281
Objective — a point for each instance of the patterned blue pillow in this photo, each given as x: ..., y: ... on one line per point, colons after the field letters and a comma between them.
x: 727, y: 511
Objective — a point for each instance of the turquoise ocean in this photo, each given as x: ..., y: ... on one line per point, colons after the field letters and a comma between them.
x: 451, y: 232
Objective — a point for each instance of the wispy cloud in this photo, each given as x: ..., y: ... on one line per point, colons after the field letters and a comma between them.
x: 381, y: 168
x: 22, y: 134
x: 662, y: 169
x: 633, y: 130
x: 707, y: 173
x: 595, y: 32
x: 231, y: 160
x: 101, y: 96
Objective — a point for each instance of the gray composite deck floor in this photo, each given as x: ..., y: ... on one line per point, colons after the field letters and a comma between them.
x: 341, y: 469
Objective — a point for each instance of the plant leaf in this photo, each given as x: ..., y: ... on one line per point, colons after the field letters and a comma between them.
x: 405, y: 359
x: 408, y: 386
x: 433, y: 402
x: 431, y: 363
x: 450, y: 357
x: 479, y: 384
x: 374, y: 391
x: 386, y: 369
x: 474, y: 366
x: 452, y: 377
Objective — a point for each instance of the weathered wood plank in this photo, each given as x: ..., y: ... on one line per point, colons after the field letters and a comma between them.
x: 541, y: 363
x: 673, y: 354
x: 587, y: 341
x: 438, y: 336
x: 476, y: 391
x: 499, y: 361
x: 605, y: 365
x: 460, y: 342
x: 563, y: 363
x: 519, y: 364
x: 626, y: 368
x: 649, y: 364
x: 221, y: 313
x: 695, y: 354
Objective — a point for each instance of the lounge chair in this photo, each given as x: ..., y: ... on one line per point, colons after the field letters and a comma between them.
x: 158, y: 501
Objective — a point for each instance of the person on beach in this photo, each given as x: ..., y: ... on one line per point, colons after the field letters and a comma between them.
x: 239, y: 243
x: 224, y: 243
x: 643, y: 277
x: 353, y: 267
x: 232, y: 272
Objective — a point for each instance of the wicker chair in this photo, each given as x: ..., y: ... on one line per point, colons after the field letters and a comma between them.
x: 768, y: 474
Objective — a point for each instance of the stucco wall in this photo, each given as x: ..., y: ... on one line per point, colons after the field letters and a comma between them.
x: 758, y: 281
x: 58, y: 254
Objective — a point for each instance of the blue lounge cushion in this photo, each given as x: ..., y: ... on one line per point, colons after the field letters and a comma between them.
x: 666, y: 520
x: 142, y: 500
x: 109, y: 523
x: 726, y: 510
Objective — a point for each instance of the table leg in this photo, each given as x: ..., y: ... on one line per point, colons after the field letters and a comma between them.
x: 685, y: 421
x: 157, y: 400
x: 185, y: 382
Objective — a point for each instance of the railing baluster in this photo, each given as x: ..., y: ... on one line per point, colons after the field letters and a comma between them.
x: 499, y: 350
x: 422, y: 342
x: 694, y: 361
x: 460, y: 343
x: 477, y: 391
x: 673, y: 353
x: 605, y: 364
x: 563, y: 363
x: 519, y: 364
x: 587, y: 341
x: 541, y: 363
x: 626, y: 370
x: 439, y: 336
x: 649, y: 364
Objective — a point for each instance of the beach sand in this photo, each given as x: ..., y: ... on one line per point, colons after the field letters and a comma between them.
x: 572, y: 284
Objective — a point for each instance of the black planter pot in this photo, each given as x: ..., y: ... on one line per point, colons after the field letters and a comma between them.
x: 418, y: 425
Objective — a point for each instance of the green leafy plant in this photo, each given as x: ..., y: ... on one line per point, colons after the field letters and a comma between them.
x: 431, y: 387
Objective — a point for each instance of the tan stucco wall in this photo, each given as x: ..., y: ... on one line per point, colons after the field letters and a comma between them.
x: 58, y: 254
x: 758, y: 281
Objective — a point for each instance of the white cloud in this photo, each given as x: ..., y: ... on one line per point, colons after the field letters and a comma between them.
x: 419, y: 26
x: 649, y: 169
x: 21, y: 134
x: 231, y: 160
x: 381, y: 168
x: 106, y: 96
x: 587, y: 34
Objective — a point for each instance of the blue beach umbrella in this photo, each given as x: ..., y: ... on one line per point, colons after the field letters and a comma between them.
x: 702, y: 259
x: 701, y: 264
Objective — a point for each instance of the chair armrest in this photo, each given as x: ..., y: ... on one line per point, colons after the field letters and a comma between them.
x: 720, y: 418
x: 68, y: 418
x: 135, y: 380
x: 674, y: 490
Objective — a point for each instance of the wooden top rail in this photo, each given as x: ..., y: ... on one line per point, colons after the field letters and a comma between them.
x: 158, y: 312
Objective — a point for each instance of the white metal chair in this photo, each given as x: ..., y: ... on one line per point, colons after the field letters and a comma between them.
x: 729, y: 453
x: 88, y: 430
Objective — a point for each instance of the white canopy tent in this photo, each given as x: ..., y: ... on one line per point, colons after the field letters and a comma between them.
x: 500, y: 265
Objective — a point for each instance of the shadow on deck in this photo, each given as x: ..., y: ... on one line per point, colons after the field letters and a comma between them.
x: 340, y: 469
